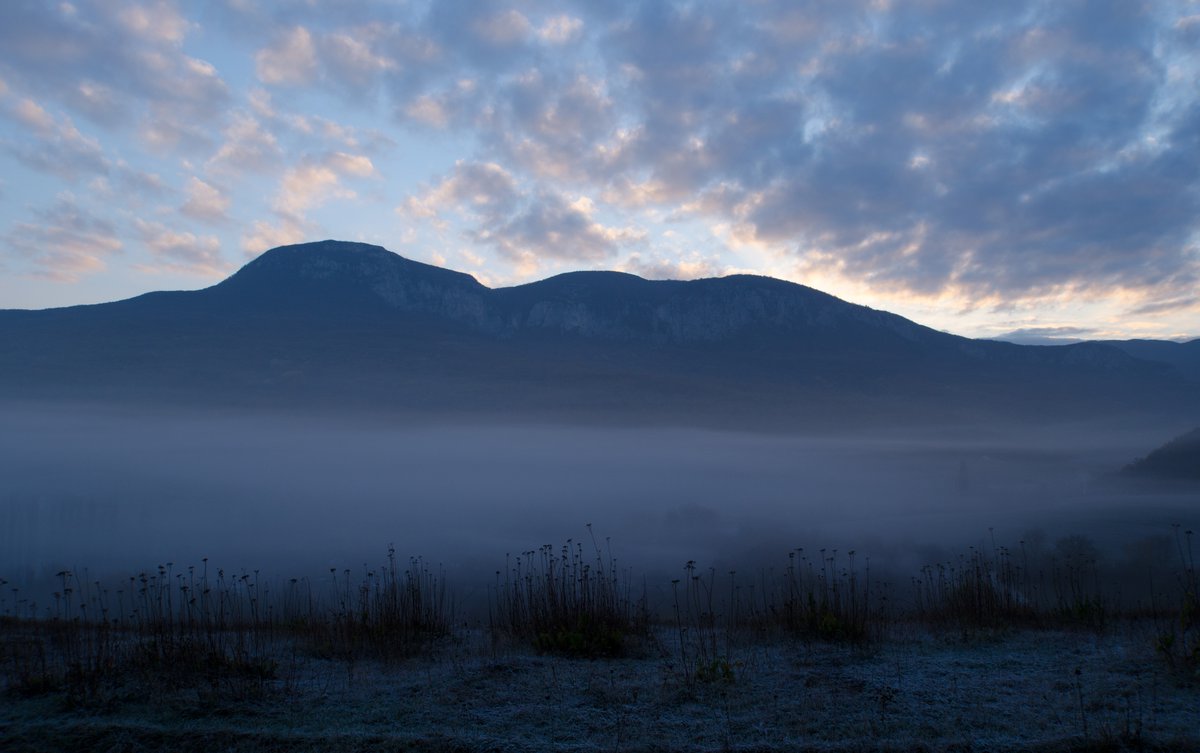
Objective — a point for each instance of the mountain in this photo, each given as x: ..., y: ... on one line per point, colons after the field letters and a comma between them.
x: 1183, y: 357
x: 336, y: 325
x: 1178, y: 459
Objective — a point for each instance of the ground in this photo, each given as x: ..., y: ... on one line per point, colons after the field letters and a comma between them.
x: 1024, y: 690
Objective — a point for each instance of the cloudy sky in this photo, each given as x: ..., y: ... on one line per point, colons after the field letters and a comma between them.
x: 984, y: 168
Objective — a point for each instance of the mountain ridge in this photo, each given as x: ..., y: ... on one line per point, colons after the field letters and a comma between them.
x: 324, y: 260
x: 557, y: 302
x: 342, y: 322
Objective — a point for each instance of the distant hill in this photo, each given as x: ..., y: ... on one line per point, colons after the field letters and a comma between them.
x: 1184, y: 357
x: 337, y: 325
x: 1177, y: 459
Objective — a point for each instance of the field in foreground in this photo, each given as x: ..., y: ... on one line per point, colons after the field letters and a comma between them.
x: 1045, y: 690
x: 996, y: 650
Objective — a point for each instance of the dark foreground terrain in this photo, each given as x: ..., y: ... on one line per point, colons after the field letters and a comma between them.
x: 993, y: 650
x: 1055, y: 690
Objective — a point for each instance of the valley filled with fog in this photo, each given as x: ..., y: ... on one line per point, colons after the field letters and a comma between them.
x: 119, y: 492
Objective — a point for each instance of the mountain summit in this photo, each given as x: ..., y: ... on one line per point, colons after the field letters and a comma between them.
x: 333, y: 275
x: 337, y: 324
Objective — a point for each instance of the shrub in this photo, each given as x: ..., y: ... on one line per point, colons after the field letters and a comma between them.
x: 568, y: 602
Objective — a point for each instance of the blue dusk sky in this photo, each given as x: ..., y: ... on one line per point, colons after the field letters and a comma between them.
x: 986, y: 168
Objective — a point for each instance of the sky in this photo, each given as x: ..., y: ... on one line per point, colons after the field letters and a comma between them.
x: 1023, y: 169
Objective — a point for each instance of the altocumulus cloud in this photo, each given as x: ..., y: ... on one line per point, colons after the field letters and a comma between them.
x: 985, y: 155
x: 65, y: 242
x: 181, y: 252
x: 996, y: 152
x: 205, y: 202
x: 524, y: 225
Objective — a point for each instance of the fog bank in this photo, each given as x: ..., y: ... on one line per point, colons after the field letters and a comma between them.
x: 117, y: 493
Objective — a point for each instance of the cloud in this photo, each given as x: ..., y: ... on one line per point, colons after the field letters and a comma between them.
x: 97, y: 101
x: 551, y: 228
x: 688, y: 268
x: 867, y: 140
x: 485, y: 35
x: 307, y: 186
x: 66, y: 243
x: 158, y: 22
x: 555, y: 127
x: 32, y: 115
x: 132, y: 179
x: 181, y: 252
x: 872, y: 141
x: 205, y: 202
x: 1186, y: 302
x: 264, y: 236
x: 163, y: 131
x: 316, y: 181
x: 357, y: 165
x: 484, y: 189
x: 247, y: 147
x: 560, y: 29
x: 105, y: 60
x: 524, y: 226
x: 1047, y: 335
x: 429, y: 111
x: 56, y: 146
x: 453, y: 105
x: 354, y: 59
x: 502, y: 28
x: 291, y: 60
x: 978, y: 154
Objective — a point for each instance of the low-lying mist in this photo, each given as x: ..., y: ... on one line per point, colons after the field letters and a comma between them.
x: 117, y: 493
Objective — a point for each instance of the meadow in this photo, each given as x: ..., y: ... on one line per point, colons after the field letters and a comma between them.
x: 1033, y: 646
